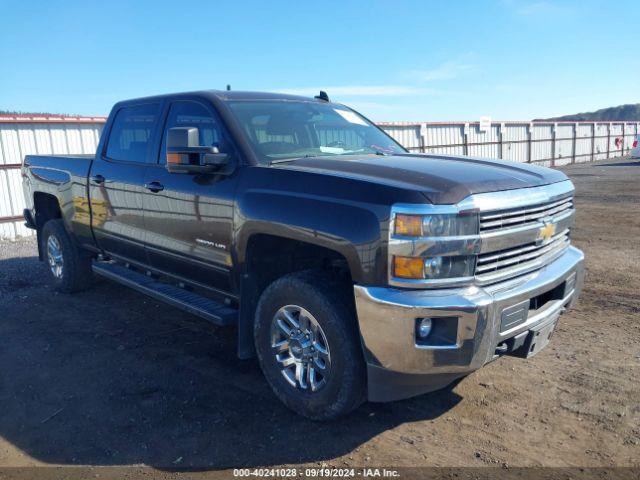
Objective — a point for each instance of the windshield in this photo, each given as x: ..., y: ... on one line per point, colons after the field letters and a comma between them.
x: 280, y: 130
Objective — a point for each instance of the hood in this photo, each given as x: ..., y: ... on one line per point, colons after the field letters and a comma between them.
x: 443, y: 179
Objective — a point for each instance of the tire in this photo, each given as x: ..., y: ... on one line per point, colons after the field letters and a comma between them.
x: 74, y: 272
x: 339, y: 387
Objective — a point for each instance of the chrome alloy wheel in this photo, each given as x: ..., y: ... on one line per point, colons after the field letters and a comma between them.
x: 54, y: 255
x: 300, y: 348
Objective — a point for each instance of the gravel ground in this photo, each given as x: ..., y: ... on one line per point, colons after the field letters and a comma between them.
x: 109, y: 377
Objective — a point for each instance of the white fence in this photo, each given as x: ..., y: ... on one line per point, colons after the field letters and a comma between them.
x: 20, y: 136
x: 550, y: 144
x: 545, y: 143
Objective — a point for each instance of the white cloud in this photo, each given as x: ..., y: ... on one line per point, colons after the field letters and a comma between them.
x: 446, y: 71
x: 361, y: 91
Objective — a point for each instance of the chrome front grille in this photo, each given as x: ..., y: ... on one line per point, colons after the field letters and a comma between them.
x: 517, y: 217
x: 514, y: 240
x: 520, y: 259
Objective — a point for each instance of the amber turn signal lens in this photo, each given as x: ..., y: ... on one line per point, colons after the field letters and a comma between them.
x: 408, y: 267
x: 173, y: 158
x: 409, y: 225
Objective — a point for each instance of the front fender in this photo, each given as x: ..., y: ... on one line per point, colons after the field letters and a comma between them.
x: 334, y: 212
x: 348, y: 228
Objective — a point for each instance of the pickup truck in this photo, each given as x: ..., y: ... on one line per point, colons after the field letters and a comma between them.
x: 353, y: 269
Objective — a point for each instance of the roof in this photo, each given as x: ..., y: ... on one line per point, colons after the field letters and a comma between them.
x: 244, y: 95
x: 226, y: 95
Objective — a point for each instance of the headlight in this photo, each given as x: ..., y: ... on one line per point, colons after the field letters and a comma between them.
x: 436, y: 225
x: 431, y: 268
x: 436, y: 248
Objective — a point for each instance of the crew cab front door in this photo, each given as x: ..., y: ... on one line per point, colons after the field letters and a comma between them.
x: 188, y: 216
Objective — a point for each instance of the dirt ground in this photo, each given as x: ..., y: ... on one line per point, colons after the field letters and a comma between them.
x: 109, y: 377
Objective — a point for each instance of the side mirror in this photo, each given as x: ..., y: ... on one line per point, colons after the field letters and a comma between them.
x: 185, y: 155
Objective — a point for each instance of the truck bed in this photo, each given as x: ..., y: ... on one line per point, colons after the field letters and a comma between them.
x: 54, y: 167
x: 64, y: 177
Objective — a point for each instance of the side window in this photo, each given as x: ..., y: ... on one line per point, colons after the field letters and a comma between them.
x: 193, y: 114
x: 131, y: 133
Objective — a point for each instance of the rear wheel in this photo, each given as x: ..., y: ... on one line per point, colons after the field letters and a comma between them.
x: 69, y: 268
x: 308, y: 346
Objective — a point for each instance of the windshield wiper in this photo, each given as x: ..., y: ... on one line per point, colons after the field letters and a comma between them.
x: 292, y: 159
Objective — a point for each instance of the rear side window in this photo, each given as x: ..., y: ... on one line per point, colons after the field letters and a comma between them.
x: 131, y: 133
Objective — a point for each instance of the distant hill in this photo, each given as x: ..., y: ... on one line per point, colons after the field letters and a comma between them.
x: 629, y: 112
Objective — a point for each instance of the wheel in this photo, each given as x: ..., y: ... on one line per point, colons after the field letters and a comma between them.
x: 69, y: 268
x: 308, y: 346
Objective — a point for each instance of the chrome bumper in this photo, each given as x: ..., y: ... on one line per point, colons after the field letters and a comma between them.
x: 399, y: 367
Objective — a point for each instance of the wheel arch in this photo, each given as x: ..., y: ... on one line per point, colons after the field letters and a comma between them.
x: 46, y: 207
x: 269, y: 257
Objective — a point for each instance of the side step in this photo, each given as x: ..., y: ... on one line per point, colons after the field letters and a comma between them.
x: 203, y: 307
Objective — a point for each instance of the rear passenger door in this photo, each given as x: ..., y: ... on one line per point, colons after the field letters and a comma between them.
x: 189, y: 217
x: 116, y: 182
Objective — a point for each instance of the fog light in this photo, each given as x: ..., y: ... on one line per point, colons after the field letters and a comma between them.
x: 424, y: 328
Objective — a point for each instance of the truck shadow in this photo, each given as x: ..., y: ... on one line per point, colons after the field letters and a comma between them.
x: 109, y: 377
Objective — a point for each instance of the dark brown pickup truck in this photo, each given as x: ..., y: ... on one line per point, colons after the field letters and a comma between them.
x: 352, y: 268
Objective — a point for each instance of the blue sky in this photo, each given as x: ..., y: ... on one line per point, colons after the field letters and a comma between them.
x: 392, y: 60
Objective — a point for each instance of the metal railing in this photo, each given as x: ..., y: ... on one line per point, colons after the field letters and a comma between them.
x: 550, y: 143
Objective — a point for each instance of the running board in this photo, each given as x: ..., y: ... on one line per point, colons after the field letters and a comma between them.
x: 203, y: 307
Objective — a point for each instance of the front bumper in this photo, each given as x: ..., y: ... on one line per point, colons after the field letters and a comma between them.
x: 398, y: 366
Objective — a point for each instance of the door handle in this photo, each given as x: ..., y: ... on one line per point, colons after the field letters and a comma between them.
x: 155, y: 187
x: 98, y: 179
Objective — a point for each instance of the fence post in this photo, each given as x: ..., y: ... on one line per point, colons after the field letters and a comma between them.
x: 423, y: 137
x: 593, y: 141
x: 465, y: 148
x: 573, y: 149
x: 529, y: 151
x: 501, y: 144
x: 608, y: 138
x: 554, y: 127
x: 623, y: 138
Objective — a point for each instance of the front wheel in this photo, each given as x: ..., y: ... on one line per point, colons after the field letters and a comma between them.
x: 69, y: 268
x: 308, y: 346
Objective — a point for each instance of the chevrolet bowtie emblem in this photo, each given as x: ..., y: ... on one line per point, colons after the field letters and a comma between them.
x: 546, y: 232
